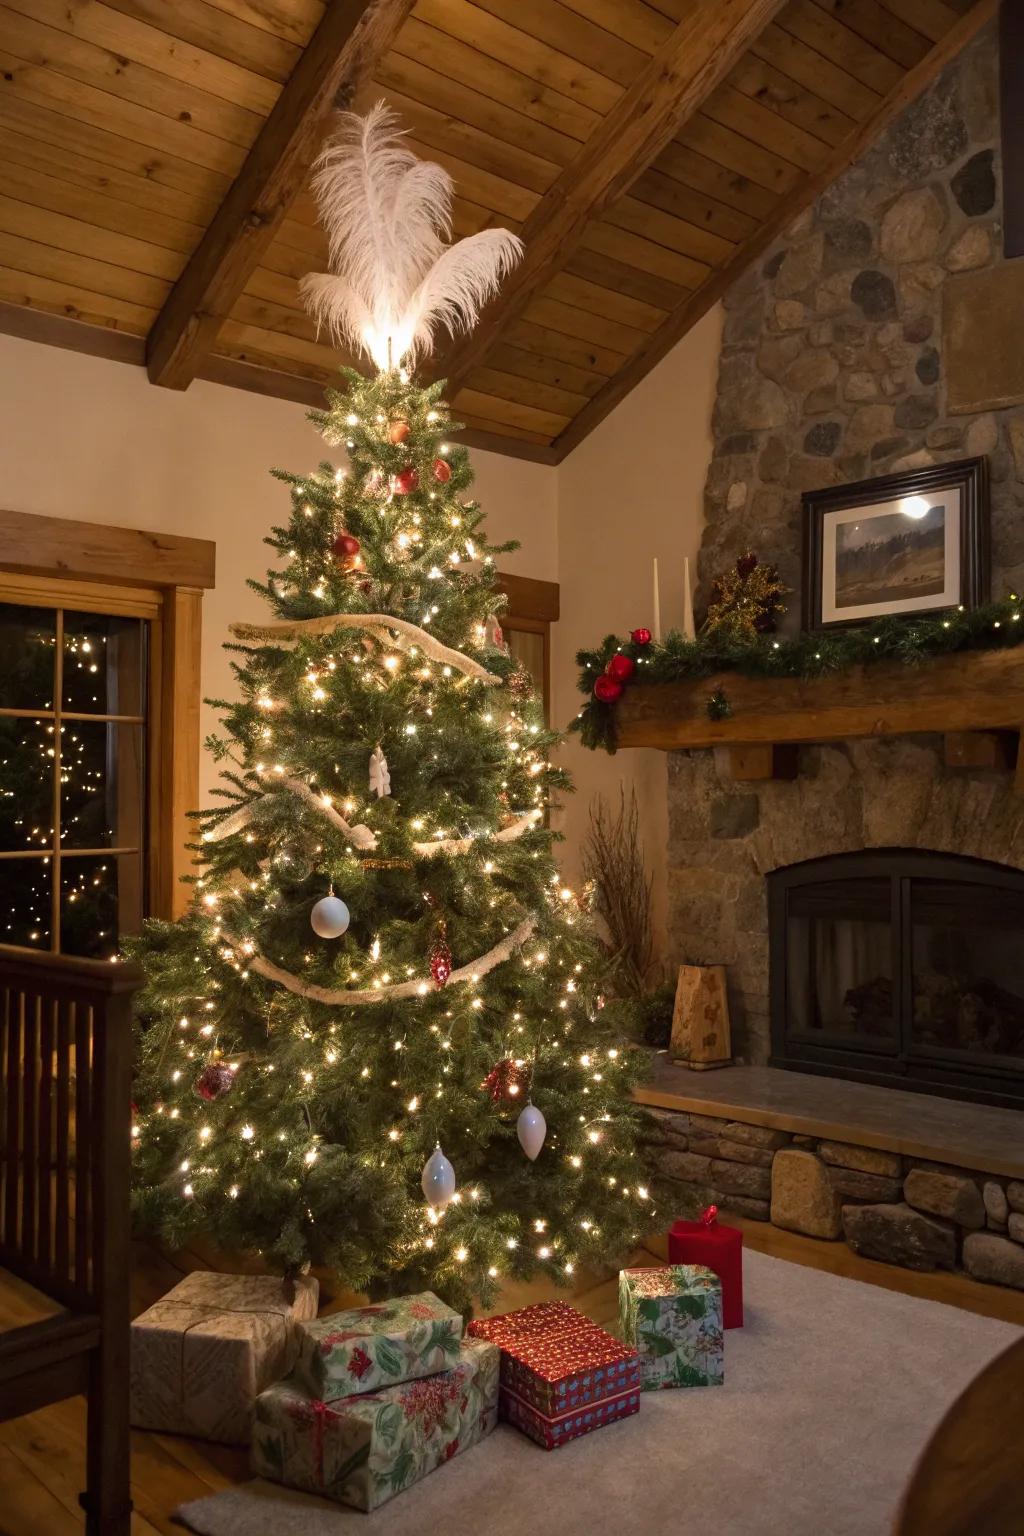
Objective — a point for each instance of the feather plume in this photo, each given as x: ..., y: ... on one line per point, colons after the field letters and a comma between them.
x: 393, y: 278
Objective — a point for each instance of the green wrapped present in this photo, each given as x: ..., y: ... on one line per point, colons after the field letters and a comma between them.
x: 366, y: 1348
x: 673, y: 1317
x: 363, y: 1450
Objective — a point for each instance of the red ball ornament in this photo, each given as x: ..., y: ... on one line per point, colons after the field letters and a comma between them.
x: 641, y: 636
x: 621, y: 667
x: 405, y: 482
x: 345, y: 546
x: 442, y: 471
x: 607, y: 689
x: 215, y: 1080
x: 440, y: 958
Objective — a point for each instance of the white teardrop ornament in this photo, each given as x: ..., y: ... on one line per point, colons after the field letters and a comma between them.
x: 531, y: 1129
x: 438, y: 1179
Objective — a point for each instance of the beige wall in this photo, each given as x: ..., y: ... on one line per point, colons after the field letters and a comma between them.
x: 86, y: 438
x: 631, y: 491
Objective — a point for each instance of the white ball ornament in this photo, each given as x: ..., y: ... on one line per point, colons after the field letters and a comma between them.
x: 330, y: 917
x: 531, y: 1128
x: 438, y: 1179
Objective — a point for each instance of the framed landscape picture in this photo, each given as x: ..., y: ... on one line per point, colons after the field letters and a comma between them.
x: 900, y: 544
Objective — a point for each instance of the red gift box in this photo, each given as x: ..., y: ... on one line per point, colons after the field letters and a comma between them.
x: 556, y: 1362
x: 719, y: 1249
x: 553, y: 1432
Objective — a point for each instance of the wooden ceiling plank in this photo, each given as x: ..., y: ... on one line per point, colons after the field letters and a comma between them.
x: 215, y: 31
x: 906, y: 91
x: 766, y: 128
x: 452, y: 58
x: 659, y: 191
x: 277, y: 348
x: 495, y: 192
x: 113, y: 114
x: 799, y: 105
x: 735, y: 153
x: 529, y: 55
x: 574, y: 35
x: 412, y: 80
x: 89, y: 175
x: 546, y: 343
x: 609, y: 273
x: 570, y: 321
x: 639, y: 24
x: 932, y: 18
x: 441, y: 131
x: 491, y: 409
x: 512, y: 386
x: 68, y: 54
x: 664, y: 95
x: 75, y: 303
x: 84, y: 203
x: 156, y: 48
x: 816, y: 73
x: 71, y: 234
x: 586, y: 294
x: 20, y: 254
x: 338, y: 60
x: 667, y: 229
x: 55, y: 330
x: 502, y: 437
x: 545, y: 370
x: 622, y: 245
x: 696, y: 171
x: 881, y: 28
x: 822, y: 32
x: 275, y: 287
x: 111, y: 151
x: 295, y: 20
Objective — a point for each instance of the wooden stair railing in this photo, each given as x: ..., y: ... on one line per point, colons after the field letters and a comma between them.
x: 65, y: 1155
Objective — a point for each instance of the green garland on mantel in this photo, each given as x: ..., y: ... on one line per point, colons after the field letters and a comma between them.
x: 991, y: 627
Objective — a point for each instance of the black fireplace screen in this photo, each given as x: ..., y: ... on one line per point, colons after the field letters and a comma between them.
x: 905, y: 967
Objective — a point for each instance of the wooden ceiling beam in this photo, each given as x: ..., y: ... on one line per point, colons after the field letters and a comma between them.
x: 672, y: 86
x: 340, y: 58
x: 850, y: 149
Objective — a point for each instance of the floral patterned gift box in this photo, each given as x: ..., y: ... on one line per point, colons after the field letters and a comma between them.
x: 363, y: 1450
x: 370, y: 1347
x: 202, y: 1354
x: 674, y: 1318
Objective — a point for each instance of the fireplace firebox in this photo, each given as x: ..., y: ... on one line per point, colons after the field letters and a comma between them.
x: 902, y: 967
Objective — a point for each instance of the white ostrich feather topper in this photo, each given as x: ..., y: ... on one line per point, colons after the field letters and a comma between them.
x: 393, y: 277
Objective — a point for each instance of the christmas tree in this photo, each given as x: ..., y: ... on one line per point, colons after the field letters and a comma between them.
x: 375, y: 1041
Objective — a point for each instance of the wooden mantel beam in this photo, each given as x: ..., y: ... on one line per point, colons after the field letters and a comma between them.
x: 339, y: 58
x: 687, y: 68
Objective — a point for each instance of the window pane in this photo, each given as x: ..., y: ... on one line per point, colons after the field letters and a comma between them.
x: 25, y: 887
x: 26, y: 783
x: 528, y: 648
x: 102, y: 785
x: 104, y: 664
x: 28, y: 639
x: 100, y: 900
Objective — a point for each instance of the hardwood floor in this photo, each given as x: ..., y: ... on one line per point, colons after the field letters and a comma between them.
x: 42, y: 1456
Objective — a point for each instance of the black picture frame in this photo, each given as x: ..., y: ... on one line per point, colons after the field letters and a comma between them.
x: 968, y: 476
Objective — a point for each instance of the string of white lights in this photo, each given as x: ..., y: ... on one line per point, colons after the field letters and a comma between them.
x: 393, y: 992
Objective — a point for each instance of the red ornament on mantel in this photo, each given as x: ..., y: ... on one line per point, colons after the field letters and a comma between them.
x: 442, y: 471
x: 717, y: 1248
x: 621, y: 667
x: 607, y: 689
x: 405, y: 482
x: 640, y: 636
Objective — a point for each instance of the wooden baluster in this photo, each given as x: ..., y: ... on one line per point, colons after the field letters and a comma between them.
x: 44, y: 1233
x: 83, y: 1141
x: 30, y: 1003
x: 11, y: 1201
x: 5, y: 1106
x: 65, y: 1017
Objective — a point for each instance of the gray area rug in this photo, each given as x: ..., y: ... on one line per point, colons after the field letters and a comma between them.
x: 831, y: 1391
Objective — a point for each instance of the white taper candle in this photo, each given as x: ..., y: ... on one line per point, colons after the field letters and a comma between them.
x: 689, y: 629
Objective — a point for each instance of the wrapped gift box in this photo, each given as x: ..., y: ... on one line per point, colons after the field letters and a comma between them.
x: 553, y: 1432
x: 674, y: 1318
x: 366, y: 1348
x: 363, y: 1450
x: 717, y: 1247
x: 554, y: 1360
x: 201, y: 1356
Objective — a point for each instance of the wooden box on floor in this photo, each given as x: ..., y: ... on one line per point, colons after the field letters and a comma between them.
x: 700, y: 1019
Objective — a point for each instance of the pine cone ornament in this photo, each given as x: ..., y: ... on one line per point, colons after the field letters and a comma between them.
x: 214, y: 1081
x: 440, y: 957
x: 507, y: 1080
x: 519, y: 683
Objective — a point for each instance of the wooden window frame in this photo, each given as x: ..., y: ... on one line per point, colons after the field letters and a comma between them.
x: 59, y: 561
x: 533, y: 606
